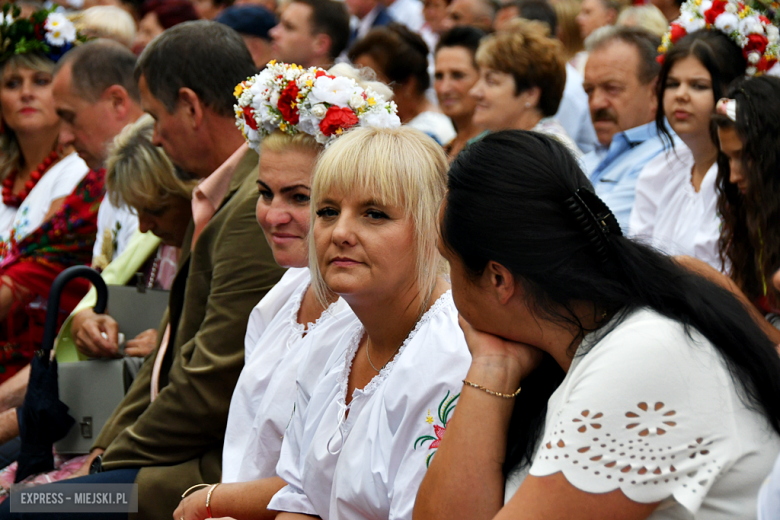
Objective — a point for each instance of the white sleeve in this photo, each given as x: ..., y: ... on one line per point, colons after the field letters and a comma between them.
x: 291, y: 498
x: 648, y: 411
x: 269, y: 306
x: 431, y: 416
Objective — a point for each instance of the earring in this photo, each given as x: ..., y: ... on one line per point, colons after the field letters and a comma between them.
x: 527, y: 105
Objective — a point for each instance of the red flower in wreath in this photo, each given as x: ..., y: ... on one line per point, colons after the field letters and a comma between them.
x: 337, y: 118
x: 677, y: 32
x: 764, y: 64
x: 764, y: 19
x: 660, y: 59
x: 757, y: 43
x: 249, y: 117
x: 718, y: 8
x: 321, y: 73
x: 288, y: 103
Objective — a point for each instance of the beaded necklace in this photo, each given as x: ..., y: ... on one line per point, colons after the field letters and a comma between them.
x: 9, y: 199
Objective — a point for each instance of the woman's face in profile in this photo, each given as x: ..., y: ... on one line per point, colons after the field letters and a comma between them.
x: 365, y: 248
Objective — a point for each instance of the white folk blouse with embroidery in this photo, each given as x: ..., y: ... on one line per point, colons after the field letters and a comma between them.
x: 264, y: 396
x: 369, y: 463
x: 58, y: 182
x: 656, y: 414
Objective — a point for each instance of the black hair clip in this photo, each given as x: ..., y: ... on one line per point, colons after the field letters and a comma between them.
x: 595, y: 219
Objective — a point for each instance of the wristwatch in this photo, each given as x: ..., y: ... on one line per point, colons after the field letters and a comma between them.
x: 97, y: 465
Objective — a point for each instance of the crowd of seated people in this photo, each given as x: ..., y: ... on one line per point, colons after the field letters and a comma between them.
x: 466, y: 259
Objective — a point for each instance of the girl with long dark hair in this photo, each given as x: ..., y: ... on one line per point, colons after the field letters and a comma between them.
x: 749, y: 187
x: 675, y: 204
x: 665, y: 403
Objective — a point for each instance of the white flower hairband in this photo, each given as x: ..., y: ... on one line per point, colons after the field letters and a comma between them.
x: 749, y: 28
x: 293, y: 99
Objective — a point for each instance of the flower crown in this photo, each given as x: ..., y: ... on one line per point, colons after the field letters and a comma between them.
x: 294, y: 100
x: 45, y: 31
x: 748, y: 27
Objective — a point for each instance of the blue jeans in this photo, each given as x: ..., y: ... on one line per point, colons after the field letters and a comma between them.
x: 118, y: 476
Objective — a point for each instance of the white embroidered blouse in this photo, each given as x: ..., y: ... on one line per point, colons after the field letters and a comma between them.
x: 655, y: 413
x: 58, y: 182
x: 264, y: 396
x: 369, y: 463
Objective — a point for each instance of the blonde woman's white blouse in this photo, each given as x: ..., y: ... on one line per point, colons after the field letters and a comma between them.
x: 367, y: 459
x: 655, y: 413
x: 264, y: 397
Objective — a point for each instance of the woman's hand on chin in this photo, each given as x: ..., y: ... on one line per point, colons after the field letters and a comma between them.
x: 515, y: 360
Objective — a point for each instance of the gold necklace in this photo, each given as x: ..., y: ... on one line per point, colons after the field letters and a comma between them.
x: 368, y: 355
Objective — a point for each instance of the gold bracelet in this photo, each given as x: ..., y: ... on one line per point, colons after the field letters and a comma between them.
x: 491, y: 392
x: 208, y: 499
x: 196, y: 486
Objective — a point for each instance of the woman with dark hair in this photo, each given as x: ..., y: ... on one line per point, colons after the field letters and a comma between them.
x: 400, y: 59
x: 159, y: 15
x: 455, y: 74
x: 748, y: 182
x: 675, y: 204
x: 667, y: 404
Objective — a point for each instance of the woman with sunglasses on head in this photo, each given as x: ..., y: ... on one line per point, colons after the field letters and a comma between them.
x: 607, y: 381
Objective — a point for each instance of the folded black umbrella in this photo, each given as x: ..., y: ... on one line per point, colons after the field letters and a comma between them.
x: 43, y: 418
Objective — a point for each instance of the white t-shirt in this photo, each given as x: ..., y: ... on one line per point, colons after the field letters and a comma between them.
x: 58, y: 182
x: 370, y: 462
x: 655, y: 413
x: 264, y: 396
x: 670, y: 215
x: 116, y: 224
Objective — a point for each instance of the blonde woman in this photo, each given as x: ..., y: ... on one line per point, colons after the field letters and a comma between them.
x: 37, y: 177
x: 139, y: 175
x: 359, y: 444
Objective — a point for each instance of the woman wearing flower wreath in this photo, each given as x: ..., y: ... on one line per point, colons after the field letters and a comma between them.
x: 284, y: 323
x: 37, y: 177
x: 676, y: 198
x: 664, y: 405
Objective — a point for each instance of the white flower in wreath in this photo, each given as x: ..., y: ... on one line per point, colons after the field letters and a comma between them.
x: 705, y: 6
x: 751, y: 25
x: 692, y: 24
x: 273, y: 99
x: 775, y: 70
x: 727, y: 22
x: 772, y: 34
x: 356, y: 102
x: 731, y: 8
x: 309, y: 124
x: 380, y: 119
x: 59, y: 30
x: 335, y: 91
x: 754, y: 57
x: 9, y: 19
x: 319, y: 110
